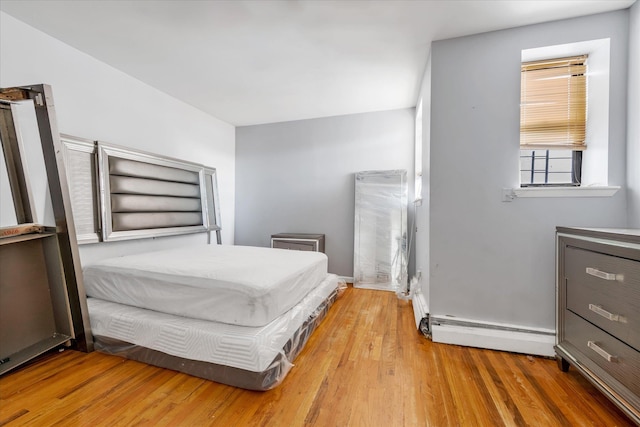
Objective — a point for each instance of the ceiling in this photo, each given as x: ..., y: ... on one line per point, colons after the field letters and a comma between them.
x: 253, y: 62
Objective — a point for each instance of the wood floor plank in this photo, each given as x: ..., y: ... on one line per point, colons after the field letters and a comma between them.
x: 592, y: 409
x: 366, y: 365
x: 531, y: 405
x: 508, y: 410
x: 39, y: 372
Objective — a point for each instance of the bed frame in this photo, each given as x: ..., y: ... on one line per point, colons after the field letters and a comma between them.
x: 118, y: 193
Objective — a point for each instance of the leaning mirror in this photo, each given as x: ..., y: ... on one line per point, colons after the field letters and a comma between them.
x: 380, y: 238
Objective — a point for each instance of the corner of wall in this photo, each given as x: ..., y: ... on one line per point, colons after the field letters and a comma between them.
x: 633, y: 126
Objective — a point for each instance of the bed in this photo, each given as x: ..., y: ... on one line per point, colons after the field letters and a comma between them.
x: 236, y: 315
x: 257, y: 335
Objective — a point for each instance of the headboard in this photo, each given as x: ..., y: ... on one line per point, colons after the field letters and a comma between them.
x: 135, y: 194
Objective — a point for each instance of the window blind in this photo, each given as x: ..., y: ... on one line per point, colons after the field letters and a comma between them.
x: 553, y: 104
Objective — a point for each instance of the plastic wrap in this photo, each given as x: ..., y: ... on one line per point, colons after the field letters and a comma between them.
x: 380, y: 231
x: 240, y: 285
x: 246, y: 357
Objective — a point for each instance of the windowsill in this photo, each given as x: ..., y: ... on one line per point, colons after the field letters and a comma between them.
x: 593, y: 191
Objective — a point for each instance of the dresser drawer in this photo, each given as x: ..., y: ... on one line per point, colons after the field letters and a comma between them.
x: 295, y: 246
x: 298, y: 241
x: 618, y: 359
x: 605, y: 290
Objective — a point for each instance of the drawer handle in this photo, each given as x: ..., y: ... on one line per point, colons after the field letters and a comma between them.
x: 604, y: 313
x: 604, y: 275
x: 601, y: 352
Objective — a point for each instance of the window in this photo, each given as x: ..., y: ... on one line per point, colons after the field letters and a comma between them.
x: 588, y: 173
x: 418, y: 155
x: 550, y: 167
x: 553, y: 115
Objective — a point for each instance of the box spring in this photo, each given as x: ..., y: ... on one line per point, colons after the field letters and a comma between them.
x: 237, y: 377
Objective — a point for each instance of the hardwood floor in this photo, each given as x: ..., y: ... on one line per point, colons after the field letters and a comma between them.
x: 366, y: 365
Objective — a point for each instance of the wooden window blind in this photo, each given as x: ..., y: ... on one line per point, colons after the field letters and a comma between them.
x: 553, y: 104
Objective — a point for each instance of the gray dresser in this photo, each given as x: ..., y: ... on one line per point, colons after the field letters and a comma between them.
x: 298, y: 241
x: 598, y: 317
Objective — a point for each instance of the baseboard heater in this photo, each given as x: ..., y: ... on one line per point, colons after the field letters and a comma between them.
x: 495, y: 336
x: 421, y: 313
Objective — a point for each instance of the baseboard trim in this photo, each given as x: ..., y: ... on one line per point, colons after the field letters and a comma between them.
x: 493, y: 336
x: 420, y: 308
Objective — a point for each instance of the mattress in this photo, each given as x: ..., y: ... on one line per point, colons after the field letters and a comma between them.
x: 246, y: 348
x: 238, y: 285
x: 261, y: 381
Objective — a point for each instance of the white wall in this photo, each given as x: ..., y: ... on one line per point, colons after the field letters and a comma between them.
x: 98, y: 102
x: 298, y: 177
x: 493, y: 261
x: 633, y: 122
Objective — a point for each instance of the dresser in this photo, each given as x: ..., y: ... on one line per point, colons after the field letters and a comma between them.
x: 298, y: 241
x: 598, y: 310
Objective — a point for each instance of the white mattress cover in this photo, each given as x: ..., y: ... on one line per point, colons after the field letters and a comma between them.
x: 240, y: 285
x: 242, y: 347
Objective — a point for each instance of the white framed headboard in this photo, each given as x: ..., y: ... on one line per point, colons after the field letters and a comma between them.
x: 118, y: 193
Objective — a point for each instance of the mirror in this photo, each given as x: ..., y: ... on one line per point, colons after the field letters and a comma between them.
x: 7, y: 207
x: 19, y: 120
x: 380, y: 231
